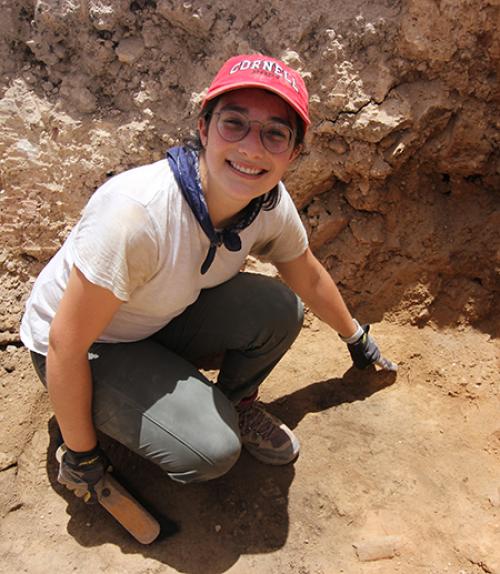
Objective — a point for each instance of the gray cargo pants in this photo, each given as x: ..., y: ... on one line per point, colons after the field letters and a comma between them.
x: 150, y: 396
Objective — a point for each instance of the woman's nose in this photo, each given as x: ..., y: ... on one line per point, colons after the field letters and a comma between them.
x: 251, y: 144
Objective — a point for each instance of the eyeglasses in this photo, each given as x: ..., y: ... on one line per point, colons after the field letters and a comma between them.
x: 234, y: 126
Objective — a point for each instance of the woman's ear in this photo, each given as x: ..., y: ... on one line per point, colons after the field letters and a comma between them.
x: 203, y: 130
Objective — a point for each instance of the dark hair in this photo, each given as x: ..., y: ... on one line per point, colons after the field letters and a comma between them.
x: 271, y: 198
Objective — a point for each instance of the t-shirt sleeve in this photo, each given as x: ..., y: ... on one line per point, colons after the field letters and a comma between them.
x: 284, y: 236
x: 115, y: 244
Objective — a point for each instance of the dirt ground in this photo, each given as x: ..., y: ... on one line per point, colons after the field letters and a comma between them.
x: 403, y: 469
x: 398, y: 190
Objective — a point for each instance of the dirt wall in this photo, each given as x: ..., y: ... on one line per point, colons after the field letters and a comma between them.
x: 398, y: 184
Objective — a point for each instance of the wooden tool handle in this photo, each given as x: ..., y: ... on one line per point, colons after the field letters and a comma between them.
x: 127, y: 510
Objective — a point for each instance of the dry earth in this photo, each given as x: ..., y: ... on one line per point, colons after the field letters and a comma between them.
x: 404, y: 467
x: 398, y: 188
x: 398, y: 184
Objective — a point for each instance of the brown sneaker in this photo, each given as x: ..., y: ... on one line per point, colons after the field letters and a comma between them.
x: 265, y: 437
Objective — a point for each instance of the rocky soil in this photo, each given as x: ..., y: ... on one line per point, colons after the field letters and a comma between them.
x: 398, y: 187
x: 396, y: 474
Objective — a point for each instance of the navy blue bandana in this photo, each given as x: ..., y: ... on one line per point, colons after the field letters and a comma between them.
x: 184, y: 163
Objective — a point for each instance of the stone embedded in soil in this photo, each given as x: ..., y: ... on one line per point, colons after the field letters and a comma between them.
x: 130, y: 50
x: 375, y: 122
x: 9, y: 494
x: 494, y: 497
x: 484, y: 555
x: 378, y: 548
x: 7, y: 460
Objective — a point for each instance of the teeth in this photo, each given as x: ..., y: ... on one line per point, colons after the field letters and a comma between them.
x: 247, y: 170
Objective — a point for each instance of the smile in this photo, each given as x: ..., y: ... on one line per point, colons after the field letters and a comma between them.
x: 245, y: 170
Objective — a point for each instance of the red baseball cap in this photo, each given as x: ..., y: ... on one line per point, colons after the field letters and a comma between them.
x: 258, y: 71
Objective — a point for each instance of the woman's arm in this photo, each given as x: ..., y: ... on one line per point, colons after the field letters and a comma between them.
x: 313, y: 284
x: 83, y: 313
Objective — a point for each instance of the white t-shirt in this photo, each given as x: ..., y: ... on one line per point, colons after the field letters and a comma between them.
x: 139, y: 238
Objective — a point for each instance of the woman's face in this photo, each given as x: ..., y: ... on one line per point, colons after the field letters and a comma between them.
x: 236, y: 172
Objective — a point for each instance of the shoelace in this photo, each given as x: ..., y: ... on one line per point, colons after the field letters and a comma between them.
x: 254, y: 419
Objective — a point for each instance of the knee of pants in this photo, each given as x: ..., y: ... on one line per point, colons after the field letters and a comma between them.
x: 279, y: 308
x: 210, y: 464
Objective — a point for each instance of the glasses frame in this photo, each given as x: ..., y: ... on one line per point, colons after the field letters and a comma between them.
x: 249, y: 127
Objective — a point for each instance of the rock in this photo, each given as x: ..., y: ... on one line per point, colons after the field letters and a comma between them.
x: 74, y: 89
x: 368, y: 230
x: 466, y: 150
x: 7, y: 460
x: 483, y: 553
x: 129, y: 50
x: 291, y: 58
x: 375, y: 122
x: 194, y: 20
x: 83, y: 99
x: 326, y: 222
x: 9, y: 366
x: 380, y: 169
x: 378, y: 80
x: 377, y: 548
x: 103, y: 14
x: 150, y: 34
x: 426, y: 32
x: 338, y: 146
x: 320, y: 175
x: 9, y: 491
x: 494, y: 497
x: 327, y: 229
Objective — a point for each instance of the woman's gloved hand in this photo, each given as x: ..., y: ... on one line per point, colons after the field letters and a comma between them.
x: 81, y: 471
x: 365, y: 350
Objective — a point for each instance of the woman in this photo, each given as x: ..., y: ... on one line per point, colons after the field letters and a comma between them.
x: 147, y: 287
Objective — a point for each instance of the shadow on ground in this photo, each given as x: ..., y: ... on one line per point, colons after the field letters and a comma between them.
x: 243, y: 512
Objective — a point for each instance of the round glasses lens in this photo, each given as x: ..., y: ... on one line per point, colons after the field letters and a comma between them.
x: 232, y: 126
x: 276, y: 137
